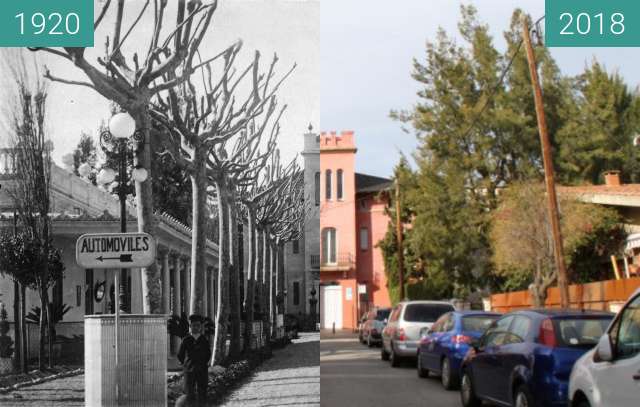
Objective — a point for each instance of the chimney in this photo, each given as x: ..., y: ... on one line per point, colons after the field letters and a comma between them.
x: 612, y: 178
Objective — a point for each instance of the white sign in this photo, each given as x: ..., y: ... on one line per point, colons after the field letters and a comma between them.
x: 115, y: 250
x: 362, y: 288
x: 349, y: 294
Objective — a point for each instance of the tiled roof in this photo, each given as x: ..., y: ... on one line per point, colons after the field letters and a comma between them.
x: 620, y: 190
x: 370, y: 183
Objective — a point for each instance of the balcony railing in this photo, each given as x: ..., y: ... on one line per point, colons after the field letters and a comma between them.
x: 315, y: 261
x: 342, y: 262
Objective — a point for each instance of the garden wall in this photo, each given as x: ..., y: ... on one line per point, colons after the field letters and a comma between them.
x: 601, y: 295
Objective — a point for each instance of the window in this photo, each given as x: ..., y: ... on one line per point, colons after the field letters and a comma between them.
x: 296, y: 246
x: 327, y: 185
x: 296, y: 293
x: 339, y: 184
x: 627, y: 338
x: 448, y: 323
x: 519, y: 329
x: 364, y: 238
x: 419, y: 312
x: 317, y: 188
x: 497, y: 332
x: 329, y: 245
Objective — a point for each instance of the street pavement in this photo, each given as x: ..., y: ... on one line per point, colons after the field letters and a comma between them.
x: 352, y: 375
x: 290, y: 378
x: 64, y: 392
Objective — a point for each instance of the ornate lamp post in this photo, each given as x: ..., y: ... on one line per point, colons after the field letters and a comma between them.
x: 119, y: 142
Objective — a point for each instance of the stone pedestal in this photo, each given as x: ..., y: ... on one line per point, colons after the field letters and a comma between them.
x: 142, y: 360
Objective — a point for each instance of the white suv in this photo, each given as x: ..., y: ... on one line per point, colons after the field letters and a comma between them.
x: 609, y: 374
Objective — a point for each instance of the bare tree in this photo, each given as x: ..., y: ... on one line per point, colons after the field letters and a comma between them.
x: 132, y: 82
x: 30, y: 191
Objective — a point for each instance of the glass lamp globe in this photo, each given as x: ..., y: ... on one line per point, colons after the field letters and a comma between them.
x: 84, y: 170
x: 122, y: 125
x: 106, y: 176
x: 139, y: 174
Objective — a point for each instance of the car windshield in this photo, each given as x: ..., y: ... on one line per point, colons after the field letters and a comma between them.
x: 425, y: 312
x: 382, y: 314
x: 478, y: 323
x: 581, y: 332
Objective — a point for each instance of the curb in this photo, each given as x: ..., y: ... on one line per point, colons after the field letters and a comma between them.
x: 34, y: 381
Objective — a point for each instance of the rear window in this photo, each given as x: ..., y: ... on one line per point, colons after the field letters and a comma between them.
x: 478, y: 323
x: 583, y: 332
x: 382, y: 314
x: 425, y: 312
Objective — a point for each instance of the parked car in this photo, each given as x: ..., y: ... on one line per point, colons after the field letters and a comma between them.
x: 525, y: 357
x: 373, y: 326
x: 446, y: 343
x: 609, y: 374
x: 401, y: 336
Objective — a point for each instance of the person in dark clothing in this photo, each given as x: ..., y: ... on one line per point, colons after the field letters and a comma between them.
x: 194, y: 355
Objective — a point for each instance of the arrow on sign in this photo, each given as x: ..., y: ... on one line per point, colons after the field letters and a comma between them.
x: 124, y: 258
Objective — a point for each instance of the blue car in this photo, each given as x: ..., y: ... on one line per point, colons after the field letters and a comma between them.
x: 444, y: 346
x: 524, y: 358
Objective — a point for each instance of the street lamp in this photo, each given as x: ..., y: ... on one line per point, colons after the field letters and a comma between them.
x: 119, y: 142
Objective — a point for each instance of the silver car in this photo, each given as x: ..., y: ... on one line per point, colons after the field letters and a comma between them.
x: 401, y: 336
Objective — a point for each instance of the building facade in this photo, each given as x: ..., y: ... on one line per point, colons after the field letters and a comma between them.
x: 78, y: 207
x: 352, y: 222
x: 302, y: 257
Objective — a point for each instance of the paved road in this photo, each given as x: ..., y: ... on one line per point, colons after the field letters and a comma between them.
x: 352, y: 375
x: 290, y: 378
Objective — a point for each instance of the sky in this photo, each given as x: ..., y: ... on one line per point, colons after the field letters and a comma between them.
x: 367, y: 49
x: 289, y: 28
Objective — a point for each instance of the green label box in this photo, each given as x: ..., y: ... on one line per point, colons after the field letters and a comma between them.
x: 46, y: 23
x: 592, y: 23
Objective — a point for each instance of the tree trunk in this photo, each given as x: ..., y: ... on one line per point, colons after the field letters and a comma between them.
x: 50, y: 329
x: 17, y: 326
x: 259, y: 272
x: 151, y: 302
x: 23, y: 328
x: 249, y: 297
x: 273, y: 292
x: 222, y: 314
x: 281, y: 279
x: 234, y: 284
x: 266, y: 291
x: 199, y: 236
x: 44, y: 300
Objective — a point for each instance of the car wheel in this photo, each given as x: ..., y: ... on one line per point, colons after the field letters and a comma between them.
x: 422, y: 372
x: 393, y: 358
x: 384, y: 355
x: 467, y: 394
x: 447, y: 375
x: 523, y: 397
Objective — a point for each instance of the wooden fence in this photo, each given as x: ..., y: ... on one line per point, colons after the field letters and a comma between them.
x: 600, y: 295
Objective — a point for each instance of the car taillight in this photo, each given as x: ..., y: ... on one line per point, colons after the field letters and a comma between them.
x: 547, y: 335
x: 458, y: 339
x: 400, y: 334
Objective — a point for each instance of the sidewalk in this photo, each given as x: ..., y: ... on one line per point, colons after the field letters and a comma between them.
x: 64, y: 392
x: 290, y: 378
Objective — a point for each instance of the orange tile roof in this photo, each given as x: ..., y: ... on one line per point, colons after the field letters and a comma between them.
x: 625, y: 190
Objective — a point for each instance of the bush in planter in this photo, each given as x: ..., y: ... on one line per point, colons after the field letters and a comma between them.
x: 6, y: 343
x: 57, y: 311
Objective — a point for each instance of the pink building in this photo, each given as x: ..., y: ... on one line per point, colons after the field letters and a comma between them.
x: 352, y: 222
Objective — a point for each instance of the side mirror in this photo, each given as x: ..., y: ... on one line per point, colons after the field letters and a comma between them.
x: 475, y: 344
x: 604, y: 350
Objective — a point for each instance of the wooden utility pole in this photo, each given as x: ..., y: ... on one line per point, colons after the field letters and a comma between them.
x: 400, y: 249
x: 548, y: 170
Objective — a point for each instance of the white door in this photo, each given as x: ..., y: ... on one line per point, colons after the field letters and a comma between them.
x: 619, y: 381
x: 331, y: 306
